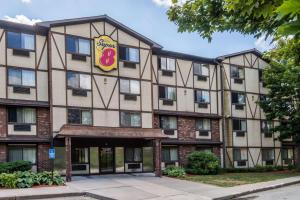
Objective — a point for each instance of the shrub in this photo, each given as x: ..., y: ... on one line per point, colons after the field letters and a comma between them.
x: 10, y: 167
x: 202, y: 162
x: 174, y: 171
x: 256, y: 169
x: 28, y: 179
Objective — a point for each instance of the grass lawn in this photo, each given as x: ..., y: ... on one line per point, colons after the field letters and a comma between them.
x: 234, y: 179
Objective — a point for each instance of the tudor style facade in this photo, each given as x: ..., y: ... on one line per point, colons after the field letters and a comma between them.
x: 113, y: 101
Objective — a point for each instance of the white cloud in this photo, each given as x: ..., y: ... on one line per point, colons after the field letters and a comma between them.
x: 263, y: 44
x: 26, y: 1
x: 167, y: 3
x: 22, y: 19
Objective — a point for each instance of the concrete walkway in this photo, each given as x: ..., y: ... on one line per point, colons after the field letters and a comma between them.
x: 144, y: 186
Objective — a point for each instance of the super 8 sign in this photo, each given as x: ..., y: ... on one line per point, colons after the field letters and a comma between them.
x: 106, y: 52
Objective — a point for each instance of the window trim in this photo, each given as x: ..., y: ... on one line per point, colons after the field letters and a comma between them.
x: 81, y: 110
x: 130, y: 112
x: 129, y: 47
x: 128, y: 93
x: 79, y: 73
x: 20, y: 32
x: 21, y: 69
x: 77, y: 37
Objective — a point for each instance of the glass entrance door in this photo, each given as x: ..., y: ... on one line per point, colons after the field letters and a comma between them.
x: 106, y: 160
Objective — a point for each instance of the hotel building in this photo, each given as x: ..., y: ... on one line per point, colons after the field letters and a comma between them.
x: 110, y: 100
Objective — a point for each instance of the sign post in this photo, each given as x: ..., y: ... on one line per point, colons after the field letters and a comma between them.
x: 52, y: 157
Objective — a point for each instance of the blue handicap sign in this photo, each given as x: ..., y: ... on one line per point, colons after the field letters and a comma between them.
x: 51, y: 153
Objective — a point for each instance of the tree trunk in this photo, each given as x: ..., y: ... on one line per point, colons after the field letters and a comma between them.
x: 297, y: 157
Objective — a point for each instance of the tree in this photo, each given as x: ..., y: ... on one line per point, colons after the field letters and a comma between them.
x: 278, y: 19
x: 259, y: 17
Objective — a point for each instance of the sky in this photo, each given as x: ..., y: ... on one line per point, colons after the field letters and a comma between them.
x: 148, y: 17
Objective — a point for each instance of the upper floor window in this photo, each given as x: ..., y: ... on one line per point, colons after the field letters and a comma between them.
x: 21, y: 77
x: 237, y: 72
x: 20, y: 41
x: 79, y: 81
x: 129, y: 54
x: 130, y: 119
x: 21, y: 115
x: 167, y: 64
x: 200, y: 69
x: 202, y: 96
x: 168, y: 122
x: 239, y: 125
x: 203, y: 124
x: 130, y: 86
x: 78, y: 116
x: 266, y: 127
x: 237, y: 98
x: 76, y: 45
x: 168, y: 93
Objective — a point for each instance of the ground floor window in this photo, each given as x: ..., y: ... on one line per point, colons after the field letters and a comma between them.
x: 169, y: 154
x: 133, y: 154
x: 268, y: 156
x: 16, y: 153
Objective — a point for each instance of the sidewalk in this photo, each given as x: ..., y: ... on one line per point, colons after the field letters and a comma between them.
x: 142, y: 187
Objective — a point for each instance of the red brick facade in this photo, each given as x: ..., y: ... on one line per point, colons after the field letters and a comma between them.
x: 186, y: 128
x: 3, y: 153
x: 43, y: 162
x: 3, y: 122
x: 43, y: 123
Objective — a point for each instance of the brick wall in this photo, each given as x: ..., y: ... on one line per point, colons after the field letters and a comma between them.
x: 43, y: 161
x: 43, y: 123
x: 3, y: 121
x: 156, y: 121
x: 215, y: 130
x: 183, y: 152
x: 3, y: 152
x: 186, y: 128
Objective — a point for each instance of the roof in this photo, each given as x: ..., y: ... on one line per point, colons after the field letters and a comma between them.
x: 254, y: 51
x: 23, y: 27
x: 109, y: 132
x: 106, y: 18
x: 184, y: 56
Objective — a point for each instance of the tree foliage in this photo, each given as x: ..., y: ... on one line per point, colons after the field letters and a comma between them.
x: 258, y: 17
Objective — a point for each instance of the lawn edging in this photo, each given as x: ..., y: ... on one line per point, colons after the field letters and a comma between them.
x: 261, y: 189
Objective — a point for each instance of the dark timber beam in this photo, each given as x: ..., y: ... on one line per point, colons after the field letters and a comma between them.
x: 68, y: 159
x: 158, y: 172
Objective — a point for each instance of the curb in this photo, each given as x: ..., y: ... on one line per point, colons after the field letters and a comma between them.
x: 231, y: 196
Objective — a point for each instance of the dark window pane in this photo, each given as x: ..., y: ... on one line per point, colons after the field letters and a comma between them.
x: 74, y: 116
x: 236, y: 124
x: 14, y: 40
x: 162, y: 92
x: 12, y: 115
x: 234, y: 98
x: 123, y: 53
x: 15, y: 154
x: 14, y: 76
x: 125, y: 119
x: 71, y: 45
x: 165, y: 154
x: 129, y: 157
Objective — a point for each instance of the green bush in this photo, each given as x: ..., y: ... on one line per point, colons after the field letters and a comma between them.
x: 28, y: 179
x: 10, y: 167
x: 202, y: 162
x: 174, y: 171
x: 257, y: 169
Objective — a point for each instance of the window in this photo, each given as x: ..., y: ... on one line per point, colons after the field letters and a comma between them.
x: 168, y: 122
x: 239, y: 125
x: 133, y: 155
x: 16, y: 153
x: 266, y: 127
x: 130, y: 119
x: 130, y: 86
x: 168, y: 93
x: 200, y: 69
x: 77, y: 116
x: 237, y: 98
x: 203, y: 124
x: 80, y: 155
x: 169, y: 154
x: 77, y: 45
x: 129, y: 54
x: 21, y: 115
x: 239, y: 154
x: 167, y: 64
x: 202, y: 96
x: 79, y: 81
x: 268, y: 154
x: 284, y: 154
x: 20, y: 41
x: 237, y: 72
x: 21, y: 77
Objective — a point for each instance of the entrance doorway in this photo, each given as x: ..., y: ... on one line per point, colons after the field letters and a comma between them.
x: 106, y: 160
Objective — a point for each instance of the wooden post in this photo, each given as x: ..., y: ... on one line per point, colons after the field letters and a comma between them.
x: 158, y: 158
x: 68, y: 159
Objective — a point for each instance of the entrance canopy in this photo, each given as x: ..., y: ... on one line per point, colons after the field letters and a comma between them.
x: 109, y: 132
